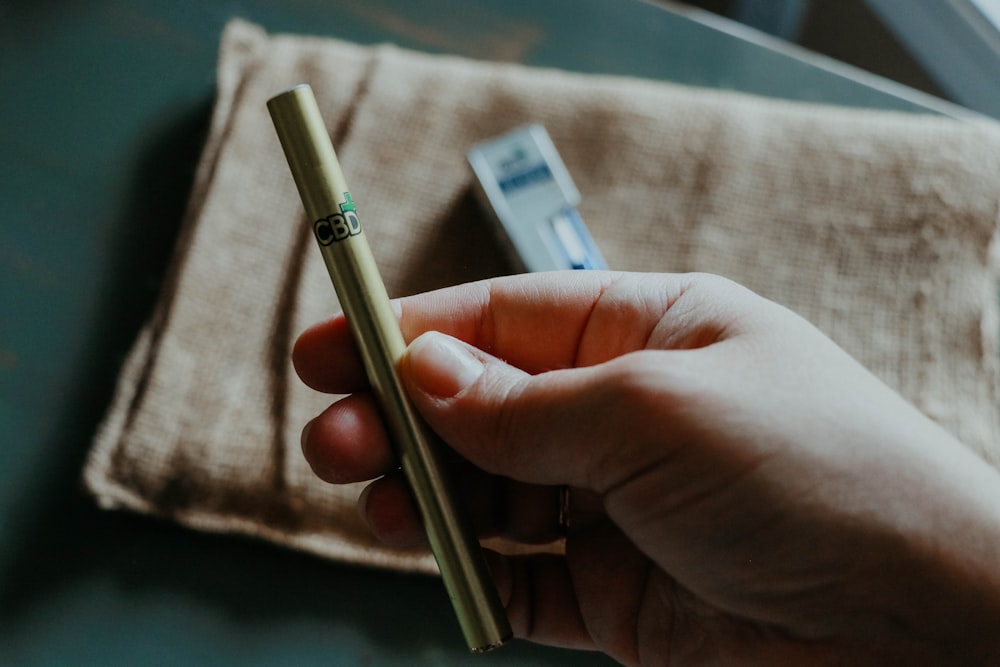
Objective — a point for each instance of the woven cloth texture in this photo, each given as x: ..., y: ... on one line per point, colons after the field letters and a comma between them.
x: 878, y: 227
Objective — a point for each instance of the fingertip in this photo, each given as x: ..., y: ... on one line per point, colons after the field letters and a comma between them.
x: 315, y: 455
x: 326, y: 358
x: 347, y: 442
x: 308, y: 351
x: 388, y: 508
x: 305, y: 442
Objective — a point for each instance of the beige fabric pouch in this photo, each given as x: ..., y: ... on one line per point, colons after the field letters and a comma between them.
x: 879, y: 227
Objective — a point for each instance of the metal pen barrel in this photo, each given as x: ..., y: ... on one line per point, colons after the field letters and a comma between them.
x: 333, y: 215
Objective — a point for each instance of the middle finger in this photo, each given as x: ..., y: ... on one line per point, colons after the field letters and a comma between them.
x: 347, y: 442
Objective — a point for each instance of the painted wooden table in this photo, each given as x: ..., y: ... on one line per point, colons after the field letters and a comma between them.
x: 103, y: 108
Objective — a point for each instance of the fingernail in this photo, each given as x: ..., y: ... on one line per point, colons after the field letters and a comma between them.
x: 305, y: 434
x: 441, y: 365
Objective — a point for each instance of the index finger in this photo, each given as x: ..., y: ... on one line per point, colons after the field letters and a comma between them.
x: 536, y: 322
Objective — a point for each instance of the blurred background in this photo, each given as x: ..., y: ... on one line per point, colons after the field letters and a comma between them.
x: 105, y: 108
x: 947, y: 48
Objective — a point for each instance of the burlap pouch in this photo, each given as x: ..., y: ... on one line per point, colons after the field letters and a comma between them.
x: 879, y: 227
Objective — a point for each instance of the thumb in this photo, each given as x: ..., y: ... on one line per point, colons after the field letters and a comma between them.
x: 569, y: 426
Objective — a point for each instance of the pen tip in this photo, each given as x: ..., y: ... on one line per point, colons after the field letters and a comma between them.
x: 289, y: 90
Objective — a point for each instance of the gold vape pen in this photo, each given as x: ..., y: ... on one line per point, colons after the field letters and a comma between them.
x: 334, y: 219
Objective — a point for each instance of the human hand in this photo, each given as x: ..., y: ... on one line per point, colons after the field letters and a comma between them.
x: 760, y: 498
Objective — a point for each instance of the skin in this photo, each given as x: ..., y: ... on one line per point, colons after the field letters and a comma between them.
x: 744, y: 491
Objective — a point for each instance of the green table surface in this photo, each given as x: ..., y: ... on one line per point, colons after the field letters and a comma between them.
x: 103, y: 110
